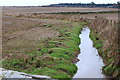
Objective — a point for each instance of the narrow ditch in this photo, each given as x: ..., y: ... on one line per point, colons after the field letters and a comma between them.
x: 90, y: 64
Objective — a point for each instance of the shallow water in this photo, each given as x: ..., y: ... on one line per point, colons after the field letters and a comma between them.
x: 90, y: 64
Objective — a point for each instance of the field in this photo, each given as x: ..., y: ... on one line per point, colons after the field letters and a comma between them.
x: 47, y: 44
x: 18, y: 10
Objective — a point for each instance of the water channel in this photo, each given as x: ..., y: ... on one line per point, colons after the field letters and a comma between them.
x: 90, y: 64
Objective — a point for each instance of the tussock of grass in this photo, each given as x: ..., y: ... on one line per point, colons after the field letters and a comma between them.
x: 51, y: 72
x: 70, y: 69
x: 60, y: 55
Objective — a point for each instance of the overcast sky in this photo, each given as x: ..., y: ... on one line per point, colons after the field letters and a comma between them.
x: 47, y: 2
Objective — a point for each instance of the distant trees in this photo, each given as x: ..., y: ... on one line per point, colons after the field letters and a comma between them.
x: 92, y: 4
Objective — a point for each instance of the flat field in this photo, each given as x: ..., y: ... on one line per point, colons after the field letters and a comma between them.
x: 18, y: 10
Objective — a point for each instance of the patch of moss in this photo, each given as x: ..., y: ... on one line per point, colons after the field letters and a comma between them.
x: 70, y: 69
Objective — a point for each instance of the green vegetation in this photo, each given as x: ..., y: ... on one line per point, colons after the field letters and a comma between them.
x: 112, y: 69
x: 98, y: 43
x: 54, y: 56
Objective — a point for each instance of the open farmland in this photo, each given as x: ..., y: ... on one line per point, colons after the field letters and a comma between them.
x: 24, y: 10
x: 47, y: 44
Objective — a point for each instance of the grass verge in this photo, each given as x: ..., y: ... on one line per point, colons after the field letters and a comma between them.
x: 110, y: 69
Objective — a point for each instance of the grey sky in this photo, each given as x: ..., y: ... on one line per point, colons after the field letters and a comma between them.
x: 47, y: 2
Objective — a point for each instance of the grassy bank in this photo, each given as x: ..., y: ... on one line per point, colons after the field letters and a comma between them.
x: 111, y: 69
x: 54, y: 57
